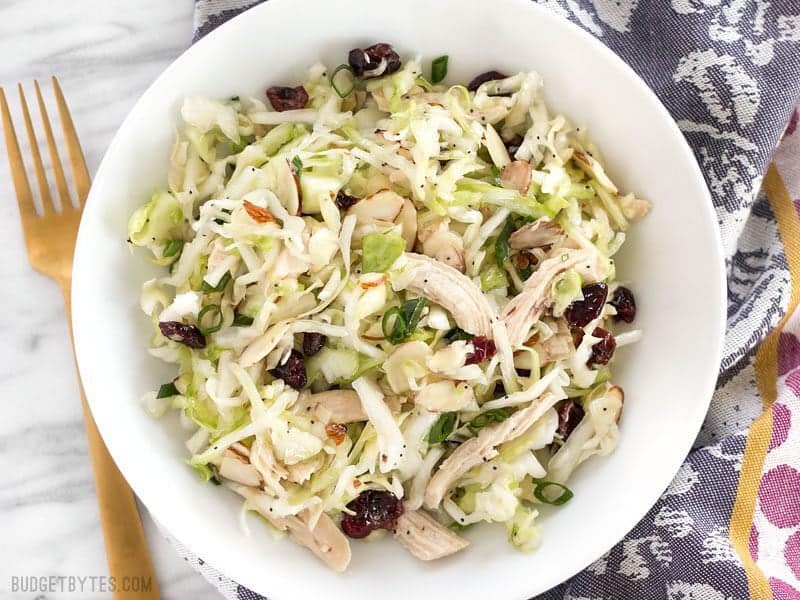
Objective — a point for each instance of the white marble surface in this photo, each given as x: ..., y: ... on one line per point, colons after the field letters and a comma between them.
x: 105, y: 53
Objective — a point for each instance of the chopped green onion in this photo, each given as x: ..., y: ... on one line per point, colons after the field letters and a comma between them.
x: 439, y: 69
x: 496, y: 176
x: 485, y: 155
x: 240, y: 320
x: 406, y: 319
x: 216, y: 314
x: 542, y: 486
x: 298, y: 165
x: 412, y: 312
x: 348, y: 86
x: 456, y: 334
x: 496, y: 415
x: 501, y: 247
x: 394, y: 331
x: 206, y: 287
x: 167, y: 391
x: 442, y: 428
x: 173, y: 248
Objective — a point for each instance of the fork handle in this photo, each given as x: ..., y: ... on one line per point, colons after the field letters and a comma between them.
x: 126, y: 547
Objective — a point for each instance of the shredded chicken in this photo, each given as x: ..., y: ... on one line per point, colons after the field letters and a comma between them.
x: 594, y: 169
x: 444, y: 285
x: 483, y: 447
x: 523, y: 310
x: 426, y: 538
x: 324, y: 539
x: 263, y: 459
x: 263, y: 345
x: 633, y: 207
x: 339, y: 406
x: 302, y: 471
x: 235, y: 465
x: 336, y: 406
x: 558, y: 346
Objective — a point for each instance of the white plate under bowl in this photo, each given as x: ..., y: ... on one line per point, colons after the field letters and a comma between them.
x: 672, y: 259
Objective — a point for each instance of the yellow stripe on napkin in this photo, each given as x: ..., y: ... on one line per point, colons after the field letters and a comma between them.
x: 766, y: 368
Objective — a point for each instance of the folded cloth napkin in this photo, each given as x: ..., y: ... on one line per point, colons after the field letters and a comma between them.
x: 728, y: 527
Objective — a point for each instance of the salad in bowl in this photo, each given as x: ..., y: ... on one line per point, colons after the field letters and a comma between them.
x: 391, y: 303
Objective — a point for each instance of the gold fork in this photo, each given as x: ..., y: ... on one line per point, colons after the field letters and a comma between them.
x: 50, y: 240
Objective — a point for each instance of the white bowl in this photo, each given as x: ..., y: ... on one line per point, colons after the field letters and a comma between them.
x: 672, y: 259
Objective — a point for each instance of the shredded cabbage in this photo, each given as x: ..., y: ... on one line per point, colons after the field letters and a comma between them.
x: 356, y: 289
x: 380, y: 251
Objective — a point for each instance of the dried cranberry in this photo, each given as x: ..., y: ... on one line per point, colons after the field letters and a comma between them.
x: 293, y: 371
x: 313, y: 343
x: 569, y: 415
x: 188, y: 335
x: 374, y: 509
x: 582, y: 312
x: 602, y: 350
x: 375, y: 61
x: 484, y: 348
x: 625, y: 304
x: 345, y: 201
x: 483, y: 78
x: 287, y: 98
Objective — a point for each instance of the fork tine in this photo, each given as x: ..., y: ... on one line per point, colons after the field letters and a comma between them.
x: 27, y: 210
x: 61, y: 182
x: 41, y: 179
x: 80, y: 174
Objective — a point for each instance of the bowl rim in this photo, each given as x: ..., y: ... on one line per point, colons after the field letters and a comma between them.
x: 217, y: 557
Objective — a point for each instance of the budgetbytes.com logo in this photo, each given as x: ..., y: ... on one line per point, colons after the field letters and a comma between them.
x: 78, y: 584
